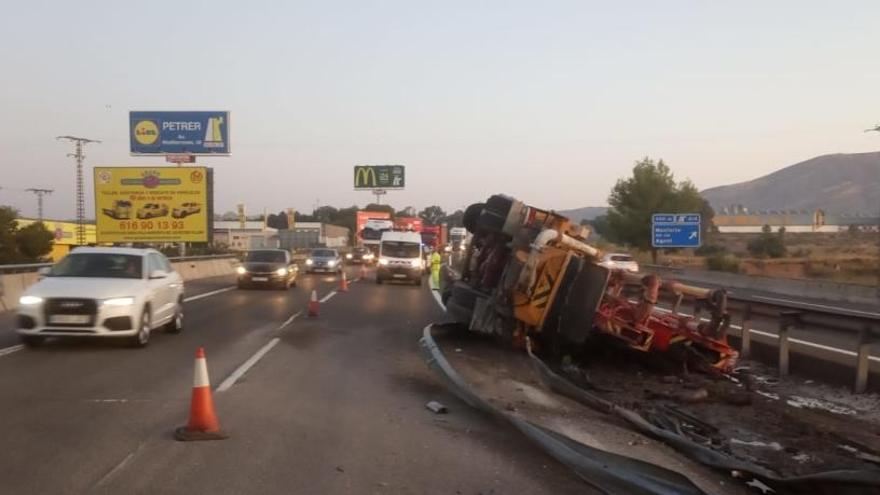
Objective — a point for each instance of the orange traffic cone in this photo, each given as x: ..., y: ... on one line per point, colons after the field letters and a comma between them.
x: 313, y: 305
x: 203, y: 424
x: 343, y: 283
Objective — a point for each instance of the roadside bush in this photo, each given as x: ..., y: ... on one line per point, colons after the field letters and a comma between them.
x: 768, y: 245
x: 710, y: 249
x: 723, y: 262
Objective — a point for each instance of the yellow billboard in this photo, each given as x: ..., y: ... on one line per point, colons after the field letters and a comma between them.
x: 152, y: 204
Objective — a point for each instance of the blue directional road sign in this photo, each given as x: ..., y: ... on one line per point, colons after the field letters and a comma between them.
x: 194, y: 133
x: 675, y: 230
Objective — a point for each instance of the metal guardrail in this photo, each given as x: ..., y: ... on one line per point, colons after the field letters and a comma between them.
x: 32, y: 267
x: 862, y: 326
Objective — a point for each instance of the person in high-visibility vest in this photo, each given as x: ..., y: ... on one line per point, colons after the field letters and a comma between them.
x: 435, y: 268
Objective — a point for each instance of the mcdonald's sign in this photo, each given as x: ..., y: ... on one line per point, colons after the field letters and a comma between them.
x: 379, y: 177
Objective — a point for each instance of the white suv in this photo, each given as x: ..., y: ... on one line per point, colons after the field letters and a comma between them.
x: 103, y: 292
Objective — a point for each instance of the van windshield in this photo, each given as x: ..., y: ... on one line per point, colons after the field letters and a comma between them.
x: 398, y: 249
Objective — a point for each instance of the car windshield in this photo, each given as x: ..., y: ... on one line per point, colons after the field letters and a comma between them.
x: 265, y: 256
x: 398, y: 249
x: 324, y: 253
x: 102, y: 265
x: 361, y: 251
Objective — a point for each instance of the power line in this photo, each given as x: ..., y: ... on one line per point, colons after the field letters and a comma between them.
x: 40, y: 193
x: 80, y: 194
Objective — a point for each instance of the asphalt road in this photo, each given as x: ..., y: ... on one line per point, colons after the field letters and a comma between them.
x: 336, y: 405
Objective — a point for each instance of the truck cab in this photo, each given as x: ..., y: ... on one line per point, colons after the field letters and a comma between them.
x: 400, y: 257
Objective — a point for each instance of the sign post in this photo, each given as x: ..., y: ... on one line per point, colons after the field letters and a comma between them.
x: 675, y: 230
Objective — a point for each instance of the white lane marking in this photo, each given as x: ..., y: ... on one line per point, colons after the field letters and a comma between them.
x: 805, y: 343
x: 11, y: 349
x: 436, y: 293
x: 231, y: 379
x: 290, y: 320
x: 855, y: 311
x: 208, y: 294
x: 327, y: 297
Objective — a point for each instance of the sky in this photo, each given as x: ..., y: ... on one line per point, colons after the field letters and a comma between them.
x: 550, y: 102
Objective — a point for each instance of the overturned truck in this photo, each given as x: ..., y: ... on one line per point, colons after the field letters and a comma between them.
x: 528, y: 276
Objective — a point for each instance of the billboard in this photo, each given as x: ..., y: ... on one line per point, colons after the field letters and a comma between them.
x: 194, y: 133
x: 153, y: 204
x: 379, y: 177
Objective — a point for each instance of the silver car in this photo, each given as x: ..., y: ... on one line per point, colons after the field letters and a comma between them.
x: 324, y: 260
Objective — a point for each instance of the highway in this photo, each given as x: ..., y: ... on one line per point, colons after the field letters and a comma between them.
x: 335, y: 405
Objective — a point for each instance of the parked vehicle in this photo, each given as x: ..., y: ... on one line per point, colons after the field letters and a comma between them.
x: 103, y: 292
x: 185, y: 210
x: 267, y: 268
x: 121, y: 210
x: 152, y: 210
x: 400, y: 257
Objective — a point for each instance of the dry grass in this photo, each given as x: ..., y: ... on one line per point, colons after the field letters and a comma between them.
x: 843, y: 257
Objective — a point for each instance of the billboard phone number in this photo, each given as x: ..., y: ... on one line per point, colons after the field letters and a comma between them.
x: 151, y: 225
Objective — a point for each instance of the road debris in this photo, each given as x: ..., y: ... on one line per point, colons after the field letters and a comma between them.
x: 436, y: 407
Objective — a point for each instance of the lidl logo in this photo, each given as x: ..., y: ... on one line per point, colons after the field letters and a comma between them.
x: 146, y: 132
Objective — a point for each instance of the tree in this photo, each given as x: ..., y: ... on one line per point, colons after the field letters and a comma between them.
x: 278, y: 221
x: 455, y: 219
x: 22, y: 245
x: 409, y: 211
x: 378, y: 207
x: 33, y: 242
x: 432, y: 215
x: 651, y: 189
x: 8, y: 227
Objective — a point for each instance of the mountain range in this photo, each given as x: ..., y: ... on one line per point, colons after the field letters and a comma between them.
x: 839, y: 183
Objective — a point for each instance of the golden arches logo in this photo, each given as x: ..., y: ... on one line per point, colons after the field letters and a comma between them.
x: 146, y: 132
x: 365, y: 177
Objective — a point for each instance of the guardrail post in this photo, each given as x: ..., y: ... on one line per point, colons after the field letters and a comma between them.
x: 862, y: 361
x: 677, y: 305
x: 788, y: 320
x: 746, y: 338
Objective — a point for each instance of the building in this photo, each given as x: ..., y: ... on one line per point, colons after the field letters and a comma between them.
x: 740, y: 220
x: 314, y: 234
x: 65, y: 235
x: 251, y: 235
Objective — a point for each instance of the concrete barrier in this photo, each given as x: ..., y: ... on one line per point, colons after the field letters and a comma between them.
x: 13, y: 285
x: 816, y: 289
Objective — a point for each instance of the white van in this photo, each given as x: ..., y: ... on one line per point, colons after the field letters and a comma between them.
x: 400, y: 257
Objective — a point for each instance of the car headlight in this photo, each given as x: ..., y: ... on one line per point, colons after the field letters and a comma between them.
x: 349, y: 256
x: 29, y: 300
x: 310, y: 262
x: 281, y: 271
x: 416, y: 263
x: 119, y: 301
x: 448, y: 249
x: 369, y: 256
x: 383, y: 261
x: 240, y: 270
x: 331, y: 263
